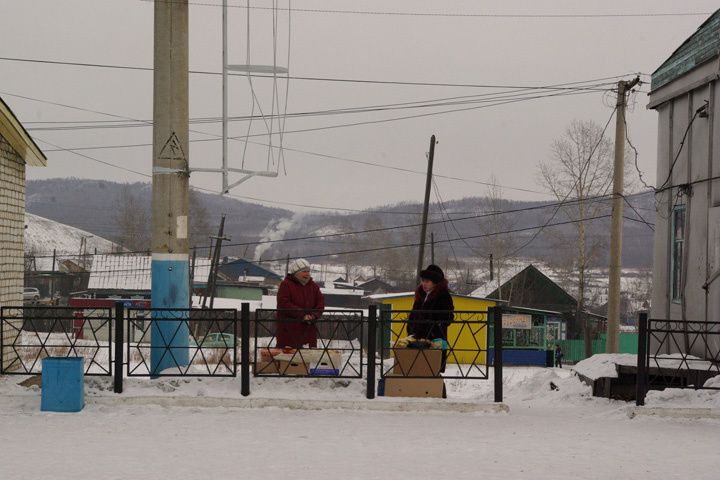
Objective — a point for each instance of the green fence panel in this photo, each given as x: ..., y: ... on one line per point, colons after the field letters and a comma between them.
x: 629, y: 343
x: 574, y: 350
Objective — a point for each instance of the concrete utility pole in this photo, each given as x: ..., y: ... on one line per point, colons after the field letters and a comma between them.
x: 423, y: 229
x: 170, y: 252
x: 613, y: 323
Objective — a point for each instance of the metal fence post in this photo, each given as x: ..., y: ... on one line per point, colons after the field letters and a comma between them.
x: 497, y: 352
x: 642, y: 364
x: 245, y: 349
x: 371, y: 350
x: 385, y: 331
x: 119, y: 344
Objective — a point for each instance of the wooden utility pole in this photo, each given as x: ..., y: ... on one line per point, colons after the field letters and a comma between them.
x: 215, y: 264
x: 426, y: 206
x: 613, y: 322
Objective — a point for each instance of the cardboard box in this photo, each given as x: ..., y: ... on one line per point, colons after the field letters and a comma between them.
x: 266, y: 354
x: 305, y: 360
x: 414, y: 387
x: 416, y: 362
x: 295, y: 366
x: 264, y: 367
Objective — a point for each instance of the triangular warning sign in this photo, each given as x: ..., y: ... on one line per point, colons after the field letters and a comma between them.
x: 172, y: 150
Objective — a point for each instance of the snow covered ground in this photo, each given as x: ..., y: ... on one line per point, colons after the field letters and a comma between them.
x: 559, y: 433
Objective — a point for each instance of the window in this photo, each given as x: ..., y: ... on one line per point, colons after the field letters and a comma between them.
x: 676, y: 257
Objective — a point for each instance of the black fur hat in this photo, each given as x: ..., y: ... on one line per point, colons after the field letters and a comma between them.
x: 433, y: 273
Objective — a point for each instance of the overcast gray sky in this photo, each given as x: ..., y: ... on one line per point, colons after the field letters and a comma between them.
x: 506, y: 141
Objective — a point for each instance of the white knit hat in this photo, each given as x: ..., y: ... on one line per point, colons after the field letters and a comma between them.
x: 298, y: 265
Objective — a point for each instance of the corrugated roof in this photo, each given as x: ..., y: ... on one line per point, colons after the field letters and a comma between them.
x: 701, y: 47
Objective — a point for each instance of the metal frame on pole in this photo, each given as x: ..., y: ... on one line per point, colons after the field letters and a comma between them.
x: 224, y: 98
x: 225, y: 169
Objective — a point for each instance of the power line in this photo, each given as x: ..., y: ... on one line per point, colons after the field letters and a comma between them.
x: 391, y: 119
x: 258, y: 143
x: 635, y: 151
x: 304, y: 78
x: 448, y: 14
x: 422, y: 115
x: 393, y: 247
x: 452, y: 223
x: 682, y: 144
x: 587, y: 162
x: 641, y: 218
x: 468, y: 100
x: 447, y: 234
x: 579, y: 85
x: 688, y: 184
x: 398, y: 227
x: 316, y: 154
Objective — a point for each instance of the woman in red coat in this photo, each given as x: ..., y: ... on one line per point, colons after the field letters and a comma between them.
x: 299, y: 300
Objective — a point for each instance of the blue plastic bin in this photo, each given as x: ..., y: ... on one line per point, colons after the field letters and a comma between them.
x: 63, y: 386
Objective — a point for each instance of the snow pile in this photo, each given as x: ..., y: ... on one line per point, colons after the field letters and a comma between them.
x: 683, y: 398
x: 686, y: 397
x: 533, y: 385
x: 604, y: 365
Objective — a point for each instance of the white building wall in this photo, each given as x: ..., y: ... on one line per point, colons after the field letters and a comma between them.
x: 698, y: 161
x: 12, y: 223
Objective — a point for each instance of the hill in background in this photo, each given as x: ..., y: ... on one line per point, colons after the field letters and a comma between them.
x: 121, y: 213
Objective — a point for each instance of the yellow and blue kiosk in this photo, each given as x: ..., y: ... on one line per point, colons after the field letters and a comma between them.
x: 529, y: 335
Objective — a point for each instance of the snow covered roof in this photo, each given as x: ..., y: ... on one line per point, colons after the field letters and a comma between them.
x: 342, y: 291
x: 229, y: 303
x: 383, y: 296
x: 43, y: 235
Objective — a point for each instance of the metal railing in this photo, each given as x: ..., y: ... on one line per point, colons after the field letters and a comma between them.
x: 202, y: 343
x: 464, y: 355
x: 676, y: 354
x: 29, y: 334
x: 181, y: 342
x: 297, y: 343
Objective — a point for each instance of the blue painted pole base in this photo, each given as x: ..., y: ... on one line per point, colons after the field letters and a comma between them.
x: 169, y: 330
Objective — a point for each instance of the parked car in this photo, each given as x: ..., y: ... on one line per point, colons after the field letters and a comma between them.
x: 31, y: 294
x: 215, y: 340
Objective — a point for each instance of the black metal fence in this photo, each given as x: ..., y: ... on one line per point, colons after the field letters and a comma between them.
x: 308, y: 344
x: 188, y: 342
x: 29, y: 334
x: 425, y: 354
x: 676, y: 354
x: 201, y: 343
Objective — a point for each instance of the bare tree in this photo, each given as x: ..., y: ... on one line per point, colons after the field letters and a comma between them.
x: 501, y: 246
x: 133, y: 220
x: 200, y: 229
x: 580, y: 169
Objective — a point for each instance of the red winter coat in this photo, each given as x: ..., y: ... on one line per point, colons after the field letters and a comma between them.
x: 294, y: 301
